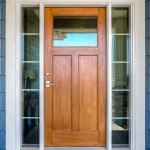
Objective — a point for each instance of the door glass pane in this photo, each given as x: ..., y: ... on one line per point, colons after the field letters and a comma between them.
x: 30, y: 131
x: 120, y: 122
x: 120, y: 47
x: 75, y: 31
x: 120, y: 76
x: 30, y: 75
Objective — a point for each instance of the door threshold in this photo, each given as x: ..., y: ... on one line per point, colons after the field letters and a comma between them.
x: 75, y: 148
x: 72, y: 148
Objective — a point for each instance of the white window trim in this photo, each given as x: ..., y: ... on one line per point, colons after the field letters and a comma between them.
x: 13, y: 128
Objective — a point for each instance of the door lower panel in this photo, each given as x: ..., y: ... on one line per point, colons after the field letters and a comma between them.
x: 76, y: 138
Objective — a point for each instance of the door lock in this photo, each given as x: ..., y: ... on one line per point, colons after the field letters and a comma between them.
x: 47, y: 73
x: 48, y: 84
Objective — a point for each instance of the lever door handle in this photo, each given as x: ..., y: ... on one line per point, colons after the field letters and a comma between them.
x: 48, y: 84
x: 51, y: 84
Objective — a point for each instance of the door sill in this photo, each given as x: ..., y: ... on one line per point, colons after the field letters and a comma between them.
x: 72, y: 148
x: 75, y: 148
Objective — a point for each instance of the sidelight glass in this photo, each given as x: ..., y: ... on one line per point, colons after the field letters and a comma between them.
x: 75, y: 31
x: 30, y: 75
x: 120, y: 76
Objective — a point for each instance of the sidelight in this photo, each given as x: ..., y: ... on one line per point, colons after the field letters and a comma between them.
x: 120, y: 76
x: 30, y: 75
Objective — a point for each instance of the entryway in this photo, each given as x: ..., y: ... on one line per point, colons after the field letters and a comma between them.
x: 75, y: 77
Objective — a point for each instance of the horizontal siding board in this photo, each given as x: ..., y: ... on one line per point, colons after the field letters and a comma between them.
x: 147, y: 139
x: 2, y: 12
x: 2, y: 120
x: 2, y: 140
x: 147, y: 106
x: 147, y: 69
x: 2, y: 101
x: 2, y: 47
x: 2, y: 28
x: 2, y: 66
x: 147, y: 84
x: 147, y: 10
x: 147, y: 115
x: 147, y: 24
x: 2, y: 83
x: 147, y: 46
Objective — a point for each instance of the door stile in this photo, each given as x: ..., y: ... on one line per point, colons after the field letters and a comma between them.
x: 102, y: 76
x: 48, y: 68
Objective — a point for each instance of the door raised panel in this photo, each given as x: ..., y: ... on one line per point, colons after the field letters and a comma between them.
x: 88, y: 92
x: 75, y: 138
x: 62, y: 78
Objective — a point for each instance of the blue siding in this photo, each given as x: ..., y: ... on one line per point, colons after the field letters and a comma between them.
x: 2, y: 76
x: 147, y: 73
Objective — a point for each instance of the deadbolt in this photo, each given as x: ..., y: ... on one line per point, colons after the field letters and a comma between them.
x: 47, y: 73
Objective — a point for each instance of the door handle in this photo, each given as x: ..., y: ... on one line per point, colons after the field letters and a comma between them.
x: 48, y: 84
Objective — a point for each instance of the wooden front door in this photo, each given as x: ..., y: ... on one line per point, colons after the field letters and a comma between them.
x: 75, y: 106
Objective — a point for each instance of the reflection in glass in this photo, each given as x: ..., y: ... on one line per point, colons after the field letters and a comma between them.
x: 75, y: 31
x: 30, y: 131
x: 120, y: 75
x: 31, y: 104
x: 120, y: 46
x: 119, y: 134
x: 30, y: 47
x: 30, y: 75
x: 30, y: 20
x: 120, y: 104
x: 120, y: 20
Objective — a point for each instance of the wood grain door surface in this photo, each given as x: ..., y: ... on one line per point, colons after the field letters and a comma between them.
x: 75, y: 107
